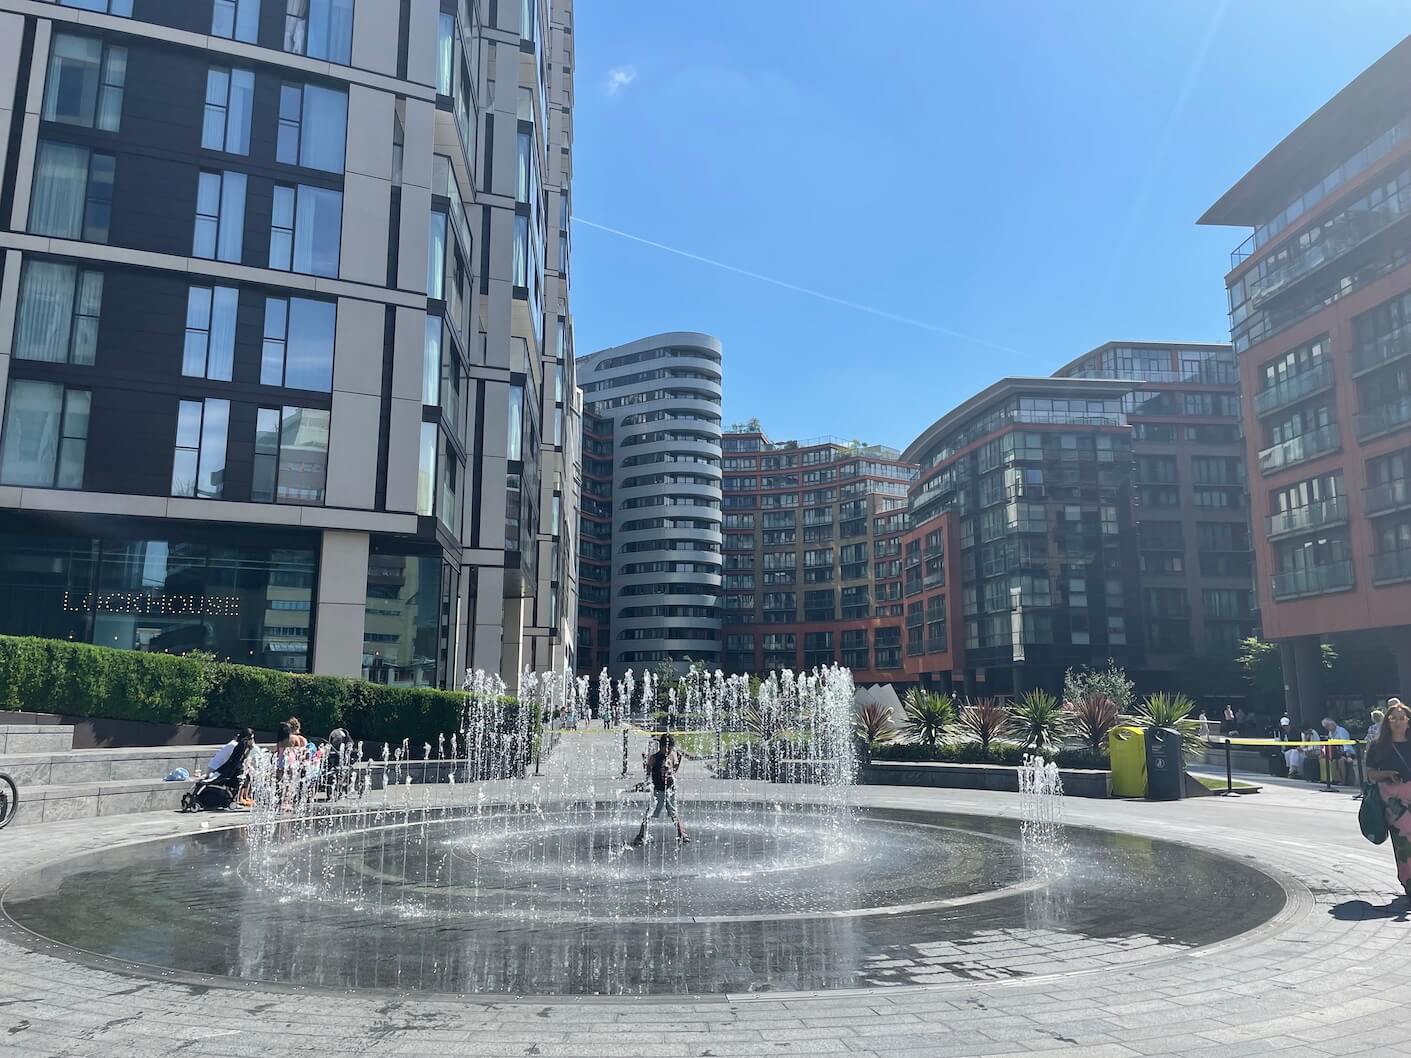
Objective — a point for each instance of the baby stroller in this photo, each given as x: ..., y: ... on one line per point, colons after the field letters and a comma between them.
x: 217, y: 790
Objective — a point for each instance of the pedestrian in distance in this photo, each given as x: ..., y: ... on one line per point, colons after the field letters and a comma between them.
x: 662, y: 767
x: 1389, y: 766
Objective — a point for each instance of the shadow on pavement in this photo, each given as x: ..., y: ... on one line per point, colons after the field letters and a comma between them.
x: 1361, y: 910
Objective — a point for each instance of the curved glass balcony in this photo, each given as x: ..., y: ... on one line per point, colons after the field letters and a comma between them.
x: 1295, y: 388
x: 1314, y: 580
x: 1316, y: 515
x: 1298, y: 449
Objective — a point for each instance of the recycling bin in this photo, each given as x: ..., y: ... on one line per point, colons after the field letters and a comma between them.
x: 1126, y: 747
x: 1165, y: 771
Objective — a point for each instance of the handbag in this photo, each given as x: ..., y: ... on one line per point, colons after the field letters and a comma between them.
x: 1372, y: 816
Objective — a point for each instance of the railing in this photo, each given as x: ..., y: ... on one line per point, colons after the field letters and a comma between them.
x: 1388, y: 496
x: 1313, y: 516
x: 1297, y: 449
x: 936, y: 646
x: 1242, y: 252
x: 1313, y: 580
x: 1304, y: 384
x: 1391, y: 566
x: 1394, y: 345
x: 1384, y: 418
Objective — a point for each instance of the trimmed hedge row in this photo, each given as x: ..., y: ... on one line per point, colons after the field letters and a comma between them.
x: 970, y: 753
x: 76, y: 679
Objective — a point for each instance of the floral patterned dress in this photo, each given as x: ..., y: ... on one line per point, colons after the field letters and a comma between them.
x: 1396, y: 796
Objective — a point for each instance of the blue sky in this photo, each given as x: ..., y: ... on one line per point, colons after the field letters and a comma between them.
x: 1020, y: 179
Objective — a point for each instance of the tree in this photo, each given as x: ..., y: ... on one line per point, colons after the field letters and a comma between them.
x: 1110, y: 683
x: 1264, y: 668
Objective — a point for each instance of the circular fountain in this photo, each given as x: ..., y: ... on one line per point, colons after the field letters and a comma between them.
x: 498, y: 862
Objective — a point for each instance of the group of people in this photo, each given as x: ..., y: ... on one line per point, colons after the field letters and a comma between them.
x: 297, y: 763
x: 1304, y: 760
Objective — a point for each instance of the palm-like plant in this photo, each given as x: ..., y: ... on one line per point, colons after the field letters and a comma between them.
x: 1040, y: 719
x: 928, y: 716
x: 874, y: 723
x: 985, y: 720
x: 1092, y: 718
x: 1174, y: 711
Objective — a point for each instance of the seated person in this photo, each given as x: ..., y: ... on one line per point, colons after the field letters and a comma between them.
x: 227, y: 766
x: 1342, y: 759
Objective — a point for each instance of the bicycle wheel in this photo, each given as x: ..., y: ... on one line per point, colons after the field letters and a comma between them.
x: 9, y: 799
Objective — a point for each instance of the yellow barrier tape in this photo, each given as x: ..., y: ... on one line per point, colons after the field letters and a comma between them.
x: 1280, y: 742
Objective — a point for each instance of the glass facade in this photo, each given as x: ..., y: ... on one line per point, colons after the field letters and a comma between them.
x: 411, y: 600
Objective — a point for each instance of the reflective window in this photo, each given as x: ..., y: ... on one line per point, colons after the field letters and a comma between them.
x: 313, y: 127
x: 198, y: 465
x: 110, y: 7
x: 73, y: 193
x: 230, y: 96
x: 426, y: 471
x: 436, y: 256
x: 291, y: 455
x: 405, y: 640
x: 209, y: 348
x: 431, y: 362
x: 85, y: 83
x: 298, y: 344
x: 46, y: 434
x: 220, y: 217
x: 306, y: 229
x: 58, y: 313
x: 236, y: 20
x: 515, y: 448
x: 320, y: 29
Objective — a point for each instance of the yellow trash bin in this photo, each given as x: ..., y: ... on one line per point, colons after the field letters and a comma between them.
x: 1127, y: 748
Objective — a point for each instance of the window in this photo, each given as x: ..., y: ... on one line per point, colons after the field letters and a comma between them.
x: 306, y: 230
x: 298, y: 344
x: 436, y: 256
x: 110, y: 7
x: 198, y: 468
x: 220, y: 217
x: 46, y: 432
x: 230, y: 95
x: 431, y: 362
x: 515, y: 441
x: 524, y: 166
x: 85, y: 83
x: 291, y: 455
x: 58, y: 313
x: 521, y: 251
x: 320, y: 29
x: 73, y: 193
x: 313, y: 127
x: 426, y: 471
x: 236, y: 20
x: 209, y: 351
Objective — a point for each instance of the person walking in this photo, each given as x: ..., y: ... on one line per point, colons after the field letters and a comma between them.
x: 662, y: 767
x: 1389, y: 766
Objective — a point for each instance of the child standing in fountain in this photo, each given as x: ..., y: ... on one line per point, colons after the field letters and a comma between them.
x: 662, y: 766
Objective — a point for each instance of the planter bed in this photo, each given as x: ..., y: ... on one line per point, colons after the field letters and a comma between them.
x: 1076, y: 782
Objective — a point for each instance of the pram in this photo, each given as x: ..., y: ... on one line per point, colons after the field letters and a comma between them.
x: 217, y: 790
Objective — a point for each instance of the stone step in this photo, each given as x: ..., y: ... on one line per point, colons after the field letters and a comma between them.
x: 52, y: 802
x: 35, y: 738
x: 103, y: 765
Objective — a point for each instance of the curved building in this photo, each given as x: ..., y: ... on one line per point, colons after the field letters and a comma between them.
x: 660, y: 397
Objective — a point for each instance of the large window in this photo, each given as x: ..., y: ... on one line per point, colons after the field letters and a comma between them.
x: 521, y: 251
x: 209, y: 348
x: 313, y: 127
x: 320, y: 29
x: 236, y: 20
x: 406, y: 622
x: 58, y: 313
x: 198, y: 466
x: 220, y: 217
x: 73, y: 193
x: 46, y: 434
x: 426, y: 471
x: 291, y: 455
x: 230, y: 96
x: 298, y: 344
x: 431, y: 361
x: 515, y: 440
x: 110, y: 7
x: 436, y: 256
x: 85, y: 83
x: 306, y: 230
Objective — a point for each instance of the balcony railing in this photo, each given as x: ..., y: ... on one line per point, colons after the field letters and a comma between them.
x: 1313, y: 580
x: 1384, y: 418
x: 1304, y: 384
x: 1391, y: 566
x: 1392, y: 346
x: 1393, y: 495
x: 1316, y: 515
x: 1300, y: 448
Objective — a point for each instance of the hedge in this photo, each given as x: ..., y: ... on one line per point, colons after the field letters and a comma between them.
x: 971, y: 753
x: 49, y: 675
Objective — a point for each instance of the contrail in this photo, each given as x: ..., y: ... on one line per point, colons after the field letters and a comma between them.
x: 883, y: 313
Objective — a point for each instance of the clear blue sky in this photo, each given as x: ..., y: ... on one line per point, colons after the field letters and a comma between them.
x: 1022, y: 175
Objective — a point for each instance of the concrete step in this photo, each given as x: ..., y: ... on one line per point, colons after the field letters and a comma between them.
x: 35, y: 738
x: 103, y: 765
x: 52, y: 802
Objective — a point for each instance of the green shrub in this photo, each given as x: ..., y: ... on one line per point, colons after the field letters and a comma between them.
x: 1006, y: 753
x: 77, y: 679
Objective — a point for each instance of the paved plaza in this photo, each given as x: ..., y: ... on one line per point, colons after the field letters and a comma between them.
x: 1325, y: 976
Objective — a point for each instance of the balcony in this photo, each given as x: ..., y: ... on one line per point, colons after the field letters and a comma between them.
x: 1299, y: 449
x: 1390, y: 347
x: 1316, y: 515
x: 1391, y: 566
x: 1394, y: 495
x: 1384, y: 418
x: 1314, y: 580
x: 1295, y: 388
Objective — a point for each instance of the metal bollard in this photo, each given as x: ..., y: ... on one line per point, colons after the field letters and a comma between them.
x: 624, y: 752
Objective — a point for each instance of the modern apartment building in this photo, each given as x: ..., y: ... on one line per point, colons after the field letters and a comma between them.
x: 285, y: 348
x: 652, y: 450
x: 1319, y: 296
x: 808, y: 579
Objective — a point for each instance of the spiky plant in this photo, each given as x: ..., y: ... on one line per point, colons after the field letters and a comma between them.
x: 874, y: 723
x: 928, y: 716
x: 1092, y: 718
x: 1174, y: 711
x: 986, y: 720
x: 1040, y: 720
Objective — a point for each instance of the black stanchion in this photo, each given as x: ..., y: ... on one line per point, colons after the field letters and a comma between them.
x: 1229, y: 770
x: 624, y: 752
